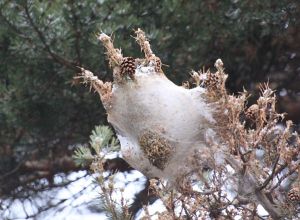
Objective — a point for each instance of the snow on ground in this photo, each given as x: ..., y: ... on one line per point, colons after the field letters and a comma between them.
x: 156, y: 207
x: 80, y: 199
x: 73, y: 207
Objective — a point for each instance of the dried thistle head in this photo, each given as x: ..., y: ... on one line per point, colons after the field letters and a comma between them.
x: 266, y: 103
x: 212, y: 82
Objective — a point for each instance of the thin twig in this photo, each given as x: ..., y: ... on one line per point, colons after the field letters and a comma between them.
x: 272, y: 175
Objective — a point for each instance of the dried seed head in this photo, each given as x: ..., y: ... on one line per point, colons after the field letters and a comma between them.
x: 156, y: 148
x: 212, y: 81
x: 128, y: 67
x: 293, y: 195
x: 252, y: 112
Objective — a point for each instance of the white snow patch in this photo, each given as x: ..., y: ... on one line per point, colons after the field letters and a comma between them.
x: 157, y: 207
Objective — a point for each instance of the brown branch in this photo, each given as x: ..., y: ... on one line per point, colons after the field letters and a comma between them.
x: 252, y: 180
x: 293, y: 170
x: 272, y: 175
x: 47, y: 48
x: 188, y: 216
x: 60, y: 164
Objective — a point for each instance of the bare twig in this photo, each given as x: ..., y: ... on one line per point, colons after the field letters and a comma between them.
x: 272, y: 175
x: 259, y: 194
x: 291, y: 171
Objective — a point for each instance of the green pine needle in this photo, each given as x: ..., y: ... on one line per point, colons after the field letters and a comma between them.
x: 82, y: 155
x: 100, y: 138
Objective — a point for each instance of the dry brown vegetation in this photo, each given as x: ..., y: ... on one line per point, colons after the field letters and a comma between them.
x: 252, y: 160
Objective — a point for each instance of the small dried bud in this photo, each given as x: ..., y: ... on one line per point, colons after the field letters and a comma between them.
x: 128, y: 67
x: 219, y: 64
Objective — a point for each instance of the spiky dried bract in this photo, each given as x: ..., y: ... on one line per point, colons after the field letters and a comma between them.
x: 144, y: 44
x: 146, y: 48
x: 213, y: 82
x: 157, y: 149
x: 114, y: 55
x: 103, y: 89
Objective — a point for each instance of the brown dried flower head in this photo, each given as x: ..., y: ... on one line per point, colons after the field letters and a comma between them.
x: 212, y: 81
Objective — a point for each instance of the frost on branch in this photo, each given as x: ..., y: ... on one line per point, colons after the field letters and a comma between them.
x: 175, y: 133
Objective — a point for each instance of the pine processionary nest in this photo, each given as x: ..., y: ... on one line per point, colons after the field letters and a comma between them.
x: 156, y: 148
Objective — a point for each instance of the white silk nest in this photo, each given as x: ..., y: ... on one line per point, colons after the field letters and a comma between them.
x: 178, y: 116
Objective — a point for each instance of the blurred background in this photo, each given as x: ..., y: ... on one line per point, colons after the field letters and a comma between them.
x: 45, y: 114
